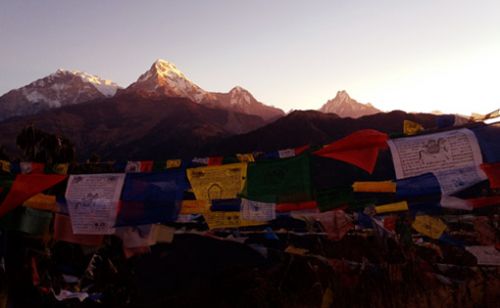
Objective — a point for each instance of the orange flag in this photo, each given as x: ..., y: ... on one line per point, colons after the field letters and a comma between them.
x: 26, y: 186
x: 359, y: 148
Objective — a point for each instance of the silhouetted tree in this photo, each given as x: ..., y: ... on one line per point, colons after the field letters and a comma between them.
x: 39, y: 146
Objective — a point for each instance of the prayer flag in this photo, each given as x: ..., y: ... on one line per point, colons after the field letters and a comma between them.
x: 151, y: 197
x: 257, y: 211
x: 139, y: 166
x: 360, y: 148
x: 64, y: 232
x: 173, y: 163
x: 5, y: 166
x: 26, y: 186
x: 284, y: 180
x: 392, y: 207
x: 217, y: 182
x: 429, y: 226
x: 42, y: 202
x: 411, y: 128
x: 92, y: 201
x: 493, y: 173
x: 375, y: 187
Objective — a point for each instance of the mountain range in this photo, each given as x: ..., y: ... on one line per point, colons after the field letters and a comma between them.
x: 164, y: 114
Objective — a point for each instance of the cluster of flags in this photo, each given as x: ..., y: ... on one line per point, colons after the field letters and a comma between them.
x: 428, y: 173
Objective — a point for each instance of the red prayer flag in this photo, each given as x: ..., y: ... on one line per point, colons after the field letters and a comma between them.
x: 215, y: 161
x: 147, y: 165
x: 493, y: 173
x: 26, y: 186
x: 359, y: 148
x: 288, y: 207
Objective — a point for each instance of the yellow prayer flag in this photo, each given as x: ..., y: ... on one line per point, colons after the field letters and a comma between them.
x: 217, y: 182
x: 220, y: 220
x: 411, y: 128
x: 5, y: 166
x: 61, y: 169
x: 429, y: 226
x: 173, y: 163
x: 194, y: 207
x: 245, y: 158
x: 392, y: 207
x: 42, y: 202
x: 380, y: 186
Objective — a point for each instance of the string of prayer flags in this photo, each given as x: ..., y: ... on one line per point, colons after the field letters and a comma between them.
x: 411, y: 128
x: 151, y: 197
x: 285, y: 180
x: 493, y: 173
x: 359, y: 148
x: 429, y: 226
x: 392, y: 207
x: 26, y: 186
x: 139, y: 166
x: 64, y: 232
x: 92, y: 201
x: 217, y: 182
x: 375, y: 187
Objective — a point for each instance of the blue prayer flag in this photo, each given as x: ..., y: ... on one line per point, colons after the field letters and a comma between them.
x: 151, y: 197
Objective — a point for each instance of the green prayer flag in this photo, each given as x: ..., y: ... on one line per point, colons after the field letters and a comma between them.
x: 35, y: 222
x: 283, y: 180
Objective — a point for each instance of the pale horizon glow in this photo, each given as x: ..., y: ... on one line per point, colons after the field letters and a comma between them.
x: 417, y: 56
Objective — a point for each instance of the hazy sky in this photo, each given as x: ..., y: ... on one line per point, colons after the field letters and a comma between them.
x: 413, y: 55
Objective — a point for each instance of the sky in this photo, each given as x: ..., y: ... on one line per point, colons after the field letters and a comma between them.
x: 417, y: 56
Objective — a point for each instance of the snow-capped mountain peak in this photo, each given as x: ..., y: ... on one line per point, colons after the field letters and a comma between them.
x: 164, y: 78
x: 58, y: 89
x: 344, y: 106
x: 238, y: 95
x: 107, y: 87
